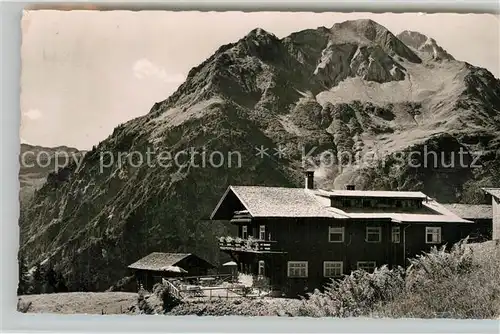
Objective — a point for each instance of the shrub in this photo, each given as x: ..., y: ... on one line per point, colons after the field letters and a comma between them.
x: 159, y: 301
x: 354, y: 295
x: 456, y: 284
x: 169, y: 301
x: 24, y: 286
x: 460, y: 283
x: 125, y: 284
x: 23, y: 306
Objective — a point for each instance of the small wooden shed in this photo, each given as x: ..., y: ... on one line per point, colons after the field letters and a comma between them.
x: 152, y: 268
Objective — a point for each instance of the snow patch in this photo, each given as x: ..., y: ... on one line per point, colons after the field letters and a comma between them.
x: 326, y: 58
x: 393, y: 70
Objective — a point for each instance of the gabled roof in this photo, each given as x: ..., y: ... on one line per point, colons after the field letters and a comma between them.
x: 302, y: 203
x: 160, y: 261
x: 471, y: 211
x: 279, y: 202
x: 495, y: 192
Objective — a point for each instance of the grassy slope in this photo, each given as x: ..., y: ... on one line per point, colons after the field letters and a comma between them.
x: 81, y: 302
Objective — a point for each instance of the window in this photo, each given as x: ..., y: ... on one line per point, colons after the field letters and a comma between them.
x: 396, y: 234
x: 244, y: 232
x: 332, y: 268
x: 262, y: 232
x: 261, y: 268
x: 335, y: 234
x: 373, y: 234
x: 368, y: 266
x: 297, y: 268
x: 433, y: 235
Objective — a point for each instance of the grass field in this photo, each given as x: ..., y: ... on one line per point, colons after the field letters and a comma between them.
x: 81, y: 302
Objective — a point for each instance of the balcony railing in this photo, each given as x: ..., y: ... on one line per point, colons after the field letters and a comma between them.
x: 248, y: 245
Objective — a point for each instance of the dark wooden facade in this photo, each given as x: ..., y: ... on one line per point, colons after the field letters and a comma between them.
x: 480, y: 231
x: 277, y: 226
x: 148, y: 275
x: 307, y: 239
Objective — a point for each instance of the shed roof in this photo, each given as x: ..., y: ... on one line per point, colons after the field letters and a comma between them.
x: 160, y: 261
x: 471, y: 211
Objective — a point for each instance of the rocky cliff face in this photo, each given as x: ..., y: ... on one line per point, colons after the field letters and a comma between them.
x: 424, y: 45
x: 366, y: 97
x: 36, y: 163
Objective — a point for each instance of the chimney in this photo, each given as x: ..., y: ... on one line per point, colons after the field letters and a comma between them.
x: 309, y: 179
x: 350, y: 187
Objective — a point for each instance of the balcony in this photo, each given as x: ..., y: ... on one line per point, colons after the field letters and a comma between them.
x: 249, y: 245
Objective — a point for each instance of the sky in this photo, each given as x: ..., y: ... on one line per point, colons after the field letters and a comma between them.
x: 85, y: 72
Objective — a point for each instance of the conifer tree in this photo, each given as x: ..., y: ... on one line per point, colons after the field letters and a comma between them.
x: 24, y: 286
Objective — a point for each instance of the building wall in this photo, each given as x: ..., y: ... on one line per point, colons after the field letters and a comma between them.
x: 307, y: 240
x: 480, y: 231
x: 496, y: 218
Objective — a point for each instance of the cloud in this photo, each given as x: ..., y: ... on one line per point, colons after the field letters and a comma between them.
x: 144, y: 68
x: 33, y: 114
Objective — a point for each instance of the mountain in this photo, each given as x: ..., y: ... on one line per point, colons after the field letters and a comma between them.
x: 352, y: 90
x: 37, y: 162
x: 424, y: 45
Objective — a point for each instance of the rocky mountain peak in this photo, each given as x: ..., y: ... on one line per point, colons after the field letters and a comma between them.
x: 367, y: 32
x: 425, y: 45
x: 261, y: 33
x: 363, y: 27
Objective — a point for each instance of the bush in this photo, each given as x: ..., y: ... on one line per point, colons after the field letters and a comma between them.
x: 127, y: 284
x: 23, y: 306
x: 168, y: 299
x: 354, y: 295
x: 457, y: 284
x: 148, y: 303
x: 157, y: 302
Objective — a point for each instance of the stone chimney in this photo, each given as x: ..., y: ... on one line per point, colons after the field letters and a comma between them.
x: 350, y: 187
x: 309, y: 179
